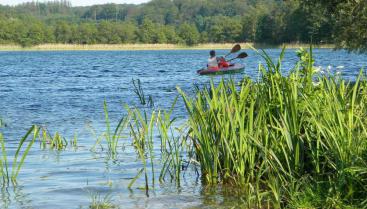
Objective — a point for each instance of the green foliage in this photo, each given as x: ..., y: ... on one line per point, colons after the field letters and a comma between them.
x: 20, y: 152
x: 63, y: 32
x: 223, y: 29
x: 56, y: 141
x: 87, y: 33
x: 108, y: 33
x: 112, y: 138
x: 184, y: 21
x: 349, y: 20
x: 101, y: 202
x: 189, y: 34
x: 284, y: 136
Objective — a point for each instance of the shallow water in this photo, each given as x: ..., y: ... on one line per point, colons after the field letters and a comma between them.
x: 64, y: 91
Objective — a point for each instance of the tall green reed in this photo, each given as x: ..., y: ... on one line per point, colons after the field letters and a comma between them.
x: 141, y: 127
x: 141, y: 130
x: 138, y: 90
x: 146, y: 124
x: 172, y: 145
x: 21, y: 152
x: 112, y: 138
x: 269, y: 134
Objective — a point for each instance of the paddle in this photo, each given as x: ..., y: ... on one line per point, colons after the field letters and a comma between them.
x: 235, y: 49
x: 240, y: 56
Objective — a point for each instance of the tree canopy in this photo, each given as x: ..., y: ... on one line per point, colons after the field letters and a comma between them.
x: 187, y: 22
x: 348, y: 20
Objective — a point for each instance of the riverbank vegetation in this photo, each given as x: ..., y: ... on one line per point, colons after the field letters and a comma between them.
x: 111, y: 47
x: 283, y: 141
x: 183, y: 22
x: 285, y: 138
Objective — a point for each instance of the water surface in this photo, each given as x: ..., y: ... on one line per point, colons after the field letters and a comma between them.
x: 64, y: 91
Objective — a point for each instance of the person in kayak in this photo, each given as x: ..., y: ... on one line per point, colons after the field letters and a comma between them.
x: 213, y: 61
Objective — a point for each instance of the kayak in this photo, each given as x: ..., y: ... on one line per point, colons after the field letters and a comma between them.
x: 235, y: 68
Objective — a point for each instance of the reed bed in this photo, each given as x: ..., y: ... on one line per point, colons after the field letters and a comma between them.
x: 295, y: 140
x: 284, y: 139
x: 137, y: 46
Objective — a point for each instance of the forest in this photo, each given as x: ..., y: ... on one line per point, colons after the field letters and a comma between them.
x: 186, y: 22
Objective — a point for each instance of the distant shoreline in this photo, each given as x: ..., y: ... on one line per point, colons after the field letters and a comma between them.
x: 137, y: 47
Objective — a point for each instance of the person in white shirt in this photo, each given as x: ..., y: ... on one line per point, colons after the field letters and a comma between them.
x: 213, y: 61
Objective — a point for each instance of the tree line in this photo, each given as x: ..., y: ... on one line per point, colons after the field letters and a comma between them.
x: 171, y: 21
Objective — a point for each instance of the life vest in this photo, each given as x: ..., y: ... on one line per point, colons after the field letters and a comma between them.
x: 223, y: 64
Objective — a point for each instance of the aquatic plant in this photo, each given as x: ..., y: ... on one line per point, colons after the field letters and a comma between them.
x: 16, y: 164
x: 144, y: 123
x: 111, y: 138
x: 282, y: 134
x: 56, y: 141
x: 101, y: 202
x: 172, y: 144
x: 141, y: 130
x: 2, y: 124
x: 138, y: 90
x: 74, y: 141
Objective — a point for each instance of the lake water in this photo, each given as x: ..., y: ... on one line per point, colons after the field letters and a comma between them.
x: 64, y: 91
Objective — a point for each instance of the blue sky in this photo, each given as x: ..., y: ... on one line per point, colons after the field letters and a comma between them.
x: 78, y: 2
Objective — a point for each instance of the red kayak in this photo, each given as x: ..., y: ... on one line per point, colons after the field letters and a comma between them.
x: 233, y: 68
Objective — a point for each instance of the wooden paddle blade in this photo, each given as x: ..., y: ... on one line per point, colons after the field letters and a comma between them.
x: 236, y: 48
x: 242, y: 55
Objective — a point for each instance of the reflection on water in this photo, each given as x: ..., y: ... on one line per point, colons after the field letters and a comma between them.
x: 64, y: 91
x: 14, y: 197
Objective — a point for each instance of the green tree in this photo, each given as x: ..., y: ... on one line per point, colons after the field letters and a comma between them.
x: 151, y: 32
x: 127, y: 32
x: 86, y: 33
x: 63, y: 32
x: 265, y: 29
x: 171, y: 35
x: 189, y: 34
x: 33, y: 34
x: 223, y: 29
x: 107, y: 33
x: 349, y: 28
x: 146, y: 32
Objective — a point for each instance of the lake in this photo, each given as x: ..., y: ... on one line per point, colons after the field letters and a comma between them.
x: 64, y: 91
